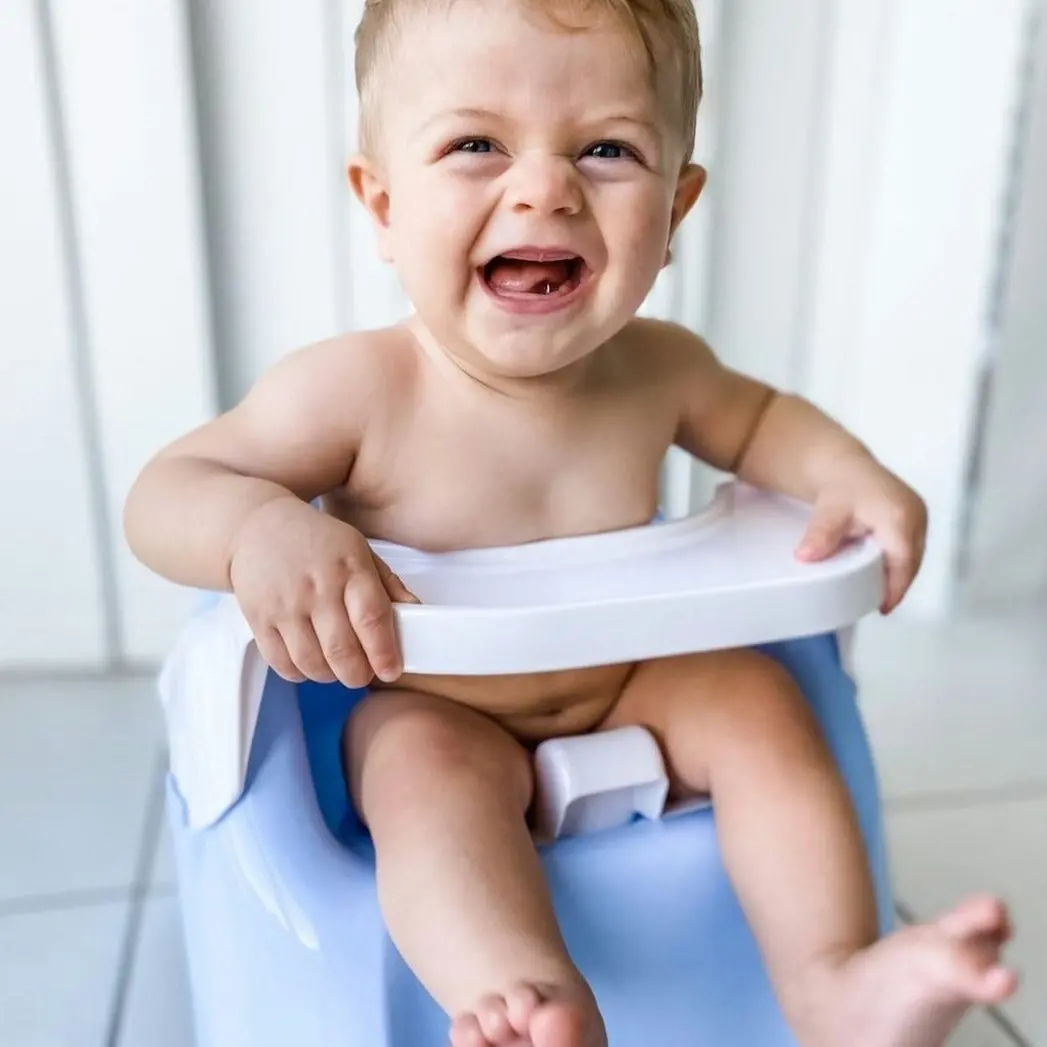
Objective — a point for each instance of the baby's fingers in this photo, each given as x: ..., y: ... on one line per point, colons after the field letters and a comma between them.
x: 394, y: 586
x: 900, y: 564
x: 305, y: 650
x: 274, y: 653
x: 371, y: 613
x: 829, y: 528
x: 341, y: 648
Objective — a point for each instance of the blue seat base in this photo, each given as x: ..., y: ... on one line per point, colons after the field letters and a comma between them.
x: 286, y: 943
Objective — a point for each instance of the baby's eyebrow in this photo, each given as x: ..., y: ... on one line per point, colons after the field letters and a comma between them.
x: 630, y: 118
x: 474, y: 113
x: 461, y: 112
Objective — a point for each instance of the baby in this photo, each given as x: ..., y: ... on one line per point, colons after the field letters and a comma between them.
x: 526, y: 164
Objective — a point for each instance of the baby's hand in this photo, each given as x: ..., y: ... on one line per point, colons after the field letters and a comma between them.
x: 872, y: 502
x: 318, y: 601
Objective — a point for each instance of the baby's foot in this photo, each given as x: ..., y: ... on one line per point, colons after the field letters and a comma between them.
x: 913, y: 987
x: 533, y: 1016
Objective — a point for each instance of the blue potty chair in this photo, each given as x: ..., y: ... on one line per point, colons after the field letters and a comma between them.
x: 285, y: 941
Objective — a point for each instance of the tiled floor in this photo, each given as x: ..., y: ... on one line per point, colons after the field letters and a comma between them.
x: 958, y: 717
x: 90, y: 947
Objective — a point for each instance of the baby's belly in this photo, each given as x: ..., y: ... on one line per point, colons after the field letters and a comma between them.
x: 532, y: 706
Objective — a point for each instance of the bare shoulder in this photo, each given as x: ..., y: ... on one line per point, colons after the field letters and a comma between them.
x: 669, y: 350
x: 716, y: 408
x: 304, y: 420
x: 357, y: 370
x: 333, y: 389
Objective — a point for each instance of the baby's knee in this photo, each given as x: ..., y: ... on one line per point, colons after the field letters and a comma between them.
x: 760, y: 694
x: 406, y: 743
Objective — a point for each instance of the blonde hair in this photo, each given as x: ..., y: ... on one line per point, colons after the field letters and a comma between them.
x: 667, y: 29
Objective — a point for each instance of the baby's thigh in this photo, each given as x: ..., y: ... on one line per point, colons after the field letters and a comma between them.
x: 712, y: 709
x: 406, y: 751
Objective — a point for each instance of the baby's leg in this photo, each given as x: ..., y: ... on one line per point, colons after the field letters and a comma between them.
x: 445, y: 793
x: 734, y: 724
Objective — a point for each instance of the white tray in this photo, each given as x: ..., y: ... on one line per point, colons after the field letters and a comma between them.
x: 725, y: 578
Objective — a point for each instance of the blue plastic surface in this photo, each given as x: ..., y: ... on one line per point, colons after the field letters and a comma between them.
x: 286, y: 944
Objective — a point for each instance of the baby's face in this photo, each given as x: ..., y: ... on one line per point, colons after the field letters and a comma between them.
x: 527, y: 184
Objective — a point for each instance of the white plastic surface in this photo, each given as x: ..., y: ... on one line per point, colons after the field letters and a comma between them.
x: 593, y: 782
x: 725, y: 578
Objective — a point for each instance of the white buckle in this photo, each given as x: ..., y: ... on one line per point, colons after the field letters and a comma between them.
x: 597, y: 781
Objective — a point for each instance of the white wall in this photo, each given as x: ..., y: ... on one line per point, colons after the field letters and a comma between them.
x: 1008, y: 550
x: 123, y: 76
x: 270, y: 81
x: 292, y: 255
x: 773, y: 64
x: 106, y: 346
x: 912, y: 327
x: 52, y: 606
x: 866, y: 158
x: 684, y: 291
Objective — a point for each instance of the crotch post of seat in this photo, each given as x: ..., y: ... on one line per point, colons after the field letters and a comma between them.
x: 283, y: 932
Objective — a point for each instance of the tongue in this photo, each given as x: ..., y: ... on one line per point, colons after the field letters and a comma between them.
x: 517, y: 276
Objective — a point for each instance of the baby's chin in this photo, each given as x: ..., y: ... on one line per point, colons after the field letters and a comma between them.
x: 532, y: 358
x: 545, y: 354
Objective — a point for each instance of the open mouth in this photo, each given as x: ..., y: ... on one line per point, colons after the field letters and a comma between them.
x: 533, y: 275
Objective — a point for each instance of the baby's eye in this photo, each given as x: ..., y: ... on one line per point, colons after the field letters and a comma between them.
x: 610, y: 151
x: 472, y: 145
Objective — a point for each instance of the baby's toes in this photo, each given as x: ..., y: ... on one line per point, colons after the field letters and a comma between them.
x: 466, y: 1032
x: 978, y: 974
x: 997, y: 984
x: 494, y: 1022
x: 520, y: 1003
x: 976, y: 931
x: 978, y: 916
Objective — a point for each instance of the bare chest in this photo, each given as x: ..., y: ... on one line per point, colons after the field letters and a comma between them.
x: 447, y: 477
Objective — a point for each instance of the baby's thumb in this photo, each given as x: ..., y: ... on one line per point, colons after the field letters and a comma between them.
x: 829, y: 528
x: 398, y: 592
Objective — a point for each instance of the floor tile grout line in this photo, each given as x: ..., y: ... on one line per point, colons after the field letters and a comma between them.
x: 994, y: 1014
x: 64, y: 901
x: 119, y: 671
x: 1008, y: 1027
x: 147, y: 851
x: 967, y: 799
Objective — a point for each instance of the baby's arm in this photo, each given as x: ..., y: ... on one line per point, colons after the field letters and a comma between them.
x: 785, y: 444
x: 226, y: 507
x: 293, y: 437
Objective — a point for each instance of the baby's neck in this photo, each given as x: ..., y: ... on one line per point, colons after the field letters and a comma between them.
x: 565, y: 383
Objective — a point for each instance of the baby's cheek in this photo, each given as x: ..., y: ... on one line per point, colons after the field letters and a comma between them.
x: 447, y: 232
x: 638, y: 224
x: 645, y: 249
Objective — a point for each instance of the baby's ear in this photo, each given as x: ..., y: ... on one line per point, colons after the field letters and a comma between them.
x: 369, y: 186
x: 689, y: 187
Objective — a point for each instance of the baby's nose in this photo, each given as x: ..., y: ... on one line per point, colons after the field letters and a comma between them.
x: 546, y: 184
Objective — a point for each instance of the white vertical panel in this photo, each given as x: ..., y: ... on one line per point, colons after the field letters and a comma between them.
x: 378, y: 297
x: 693, y: 250
x: 854, y: 126
x: 269, y: 82
x: 772, y: 59
x: 687, y: 485
x: 124, y: 77
x: 898, y: 313
x: 293, y: 255
x: 1008, y: 550
x: 51, y: 605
